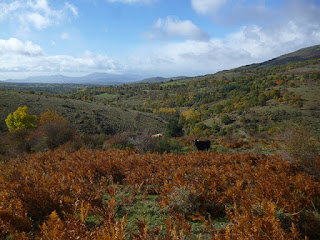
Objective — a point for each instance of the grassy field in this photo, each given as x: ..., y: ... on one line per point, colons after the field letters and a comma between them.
x: 41, y: 87
x: 107, y: 96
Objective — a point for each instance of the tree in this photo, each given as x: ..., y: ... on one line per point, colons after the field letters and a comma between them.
x: 20, y: 119
x: 300, y: 146
x: 262, y: 99
x: 54, y: 129
x: 173, y: 129
x: 226, y: 119
x: 51, y: 116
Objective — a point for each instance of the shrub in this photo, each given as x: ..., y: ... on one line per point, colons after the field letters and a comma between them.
x: 54, y: 134
x: 300, y: 146
x: 200, y: 129
x: 215, y: 127
x: 20, y: 119
x: 93, y: 141
x: 173, y: 129
x: 18, y: 142
x: 184, y: 201
x: 144, y: 142
x: 167, y: 146
x: 120, y: 141
x: 226, y: 119
x: 51, y: 116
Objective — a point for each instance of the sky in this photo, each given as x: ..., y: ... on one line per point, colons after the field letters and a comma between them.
x: 150, y: 37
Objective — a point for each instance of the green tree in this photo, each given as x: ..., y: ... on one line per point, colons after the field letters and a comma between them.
x: 215, y: 127
x: 226, y: 119
x: 262, y: 99
x: 20, y: 119
x: 173, y: 129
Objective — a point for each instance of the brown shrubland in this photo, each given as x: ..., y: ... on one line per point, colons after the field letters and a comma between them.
x: 50, y: 195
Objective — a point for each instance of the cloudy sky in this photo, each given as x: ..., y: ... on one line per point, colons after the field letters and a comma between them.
x: 149, y: 37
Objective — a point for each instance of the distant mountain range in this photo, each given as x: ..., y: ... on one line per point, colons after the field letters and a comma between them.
x: 114, y: 79
x: 94, y: 79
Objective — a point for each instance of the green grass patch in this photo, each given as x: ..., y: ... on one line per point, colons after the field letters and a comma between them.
x: 107, y: 96
x: 174, y: 83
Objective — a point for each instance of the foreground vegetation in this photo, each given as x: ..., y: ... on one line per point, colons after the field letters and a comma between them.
x: 95, y: 194
x: 58, y: 184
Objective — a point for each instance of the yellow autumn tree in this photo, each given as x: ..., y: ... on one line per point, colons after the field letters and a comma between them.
x: 51, y: 116
x: 20, y: 119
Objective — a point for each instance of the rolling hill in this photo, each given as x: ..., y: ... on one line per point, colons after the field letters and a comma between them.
x: 303, y: 54
x: 161, y: 79
x: 88, y: 117
x: 257, y: 97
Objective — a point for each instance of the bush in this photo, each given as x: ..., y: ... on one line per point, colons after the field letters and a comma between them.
x: 18, y: 142
x: 184, y: 201
x: 20, y: 119
x: 144, y: 142
x: 226, y: 119
x: 301, y: 147
x: 120, y: 141
x: 215, y: 127
x: 167, y: 146
x: 93, y: 141
x: 200, y: 129
x: 173, y: 129
x: 54, y: 134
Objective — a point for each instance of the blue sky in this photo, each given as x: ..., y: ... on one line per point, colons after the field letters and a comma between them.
x: 149, y: 37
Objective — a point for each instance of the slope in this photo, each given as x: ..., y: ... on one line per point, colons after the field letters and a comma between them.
x: 89, y: 117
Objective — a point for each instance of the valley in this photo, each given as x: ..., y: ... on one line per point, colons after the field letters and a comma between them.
x: 78, y: 161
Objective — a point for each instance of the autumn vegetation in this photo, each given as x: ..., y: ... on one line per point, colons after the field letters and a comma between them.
x: 53, y: 195
x: 62, y: 178
x: 55, y: 185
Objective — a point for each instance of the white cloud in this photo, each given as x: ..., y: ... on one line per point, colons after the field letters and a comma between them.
x: 296, y: 27
x: 250, y: 44
x: 17, y: 47
x: 38, y: 21
x: 72, y: 8
x: 207, y: 6
x: 7, y: 8
x: 65, y: 36
x: 18, y: 56
x: 133, y: 1
x: 172, y: 27
x: 37, y: 14
x: 235, y: 12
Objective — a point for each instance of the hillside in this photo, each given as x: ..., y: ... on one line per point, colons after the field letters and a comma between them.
x: 309, y: 53
x: 259, y: 179
x: 263, y: 97
x: 257, y: 98
x: 86, y: 116
x: 161, y: 79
